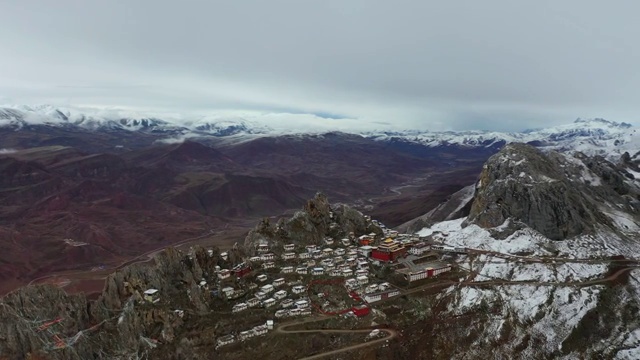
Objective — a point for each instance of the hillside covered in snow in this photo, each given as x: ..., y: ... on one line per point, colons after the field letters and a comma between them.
x: 566, y: 289
x: 592, y: 137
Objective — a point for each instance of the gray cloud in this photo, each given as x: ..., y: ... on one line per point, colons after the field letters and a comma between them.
x: 423, y: 64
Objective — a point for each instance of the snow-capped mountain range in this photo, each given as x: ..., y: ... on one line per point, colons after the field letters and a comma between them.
x: 591, y: 136
x: 19, y: 116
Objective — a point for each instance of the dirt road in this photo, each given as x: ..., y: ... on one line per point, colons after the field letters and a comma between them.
x: 102, y: 274
x: 282, y: 329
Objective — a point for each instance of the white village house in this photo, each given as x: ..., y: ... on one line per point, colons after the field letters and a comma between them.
x: 269, y: 303
x: 226, y: 340
x: 288, y: 256
x: 279, y: 295
x: 298, y: 289
x: 239, y: 307
x: 286, y: 303
x: 260, y: 330
x: 151, y: 295
x: 244, y: 335
x: 268, y: 257
x: 224, y: 273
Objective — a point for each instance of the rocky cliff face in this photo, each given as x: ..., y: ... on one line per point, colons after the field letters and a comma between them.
x: 45, y: 321
x: 559, y: 195
x: 310, y: 226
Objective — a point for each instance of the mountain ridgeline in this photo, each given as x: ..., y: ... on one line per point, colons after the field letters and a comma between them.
x: 560, y: 195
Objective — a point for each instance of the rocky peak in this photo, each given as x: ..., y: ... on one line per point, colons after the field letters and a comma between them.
x: 525, y: 184
x: 317, y: 220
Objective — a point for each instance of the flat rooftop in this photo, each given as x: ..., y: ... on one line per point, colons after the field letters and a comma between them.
x: 422, y: 266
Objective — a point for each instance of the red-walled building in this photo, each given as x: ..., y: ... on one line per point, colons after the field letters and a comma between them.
x: 389, y: 250
x: 242, y: 270
x: 360, y: 310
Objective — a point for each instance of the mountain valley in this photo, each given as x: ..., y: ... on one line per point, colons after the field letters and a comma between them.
x: 149, y: 248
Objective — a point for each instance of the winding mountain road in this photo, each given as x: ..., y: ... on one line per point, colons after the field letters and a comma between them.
x: 283, y: 329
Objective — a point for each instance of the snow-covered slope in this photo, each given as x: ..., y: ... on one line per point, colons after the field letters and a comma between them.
x: 109, y: 119
x: 570, y: 298
x: 593, y: 137
x: 543, y: 293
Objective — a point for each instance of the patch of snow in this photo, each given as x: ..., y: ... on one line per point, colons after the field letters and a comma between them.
x: 473, y: 236
x: 467, y: 196
x: 586, y: 175
x: 622, y: 220
x: 602, y: 243
x: 632, y: 345
x: 468, y: 298
x: 635, y: 174
x: 545, y: 178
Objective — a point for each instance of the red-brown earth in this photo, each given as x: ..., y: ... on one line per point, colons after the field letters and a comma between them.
x: 76, y: 201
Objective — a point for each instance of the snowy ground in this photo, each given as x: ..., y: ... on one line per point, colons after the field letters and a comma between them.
x: 489, y: 267
x: 603, y: 244
x: 553, y: 312
x: 551, y: 306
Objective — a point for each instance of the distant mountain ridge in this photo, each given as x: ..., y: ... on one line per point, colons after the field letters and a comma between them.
x: 590, y: 136
x: 105, y: 120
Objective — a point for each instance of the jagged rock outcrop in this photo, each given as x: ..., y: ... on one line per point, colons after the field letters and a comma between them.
x: 317, y: 220
x: 610, y: 174
x: 46, y: 321
x: 525, y: 184
x: 23, y: 312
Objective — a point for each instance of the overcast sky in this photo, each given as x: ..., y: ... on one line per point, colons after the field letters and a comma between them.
x: 503, y: 65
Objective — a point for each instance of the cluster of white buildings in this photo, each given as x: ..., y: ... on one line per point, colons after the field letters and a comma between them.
x: 293, y: 312
x: 268, y: 297
x: 335, y: 262
x: 335, y: 258
x: 259, y: 330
